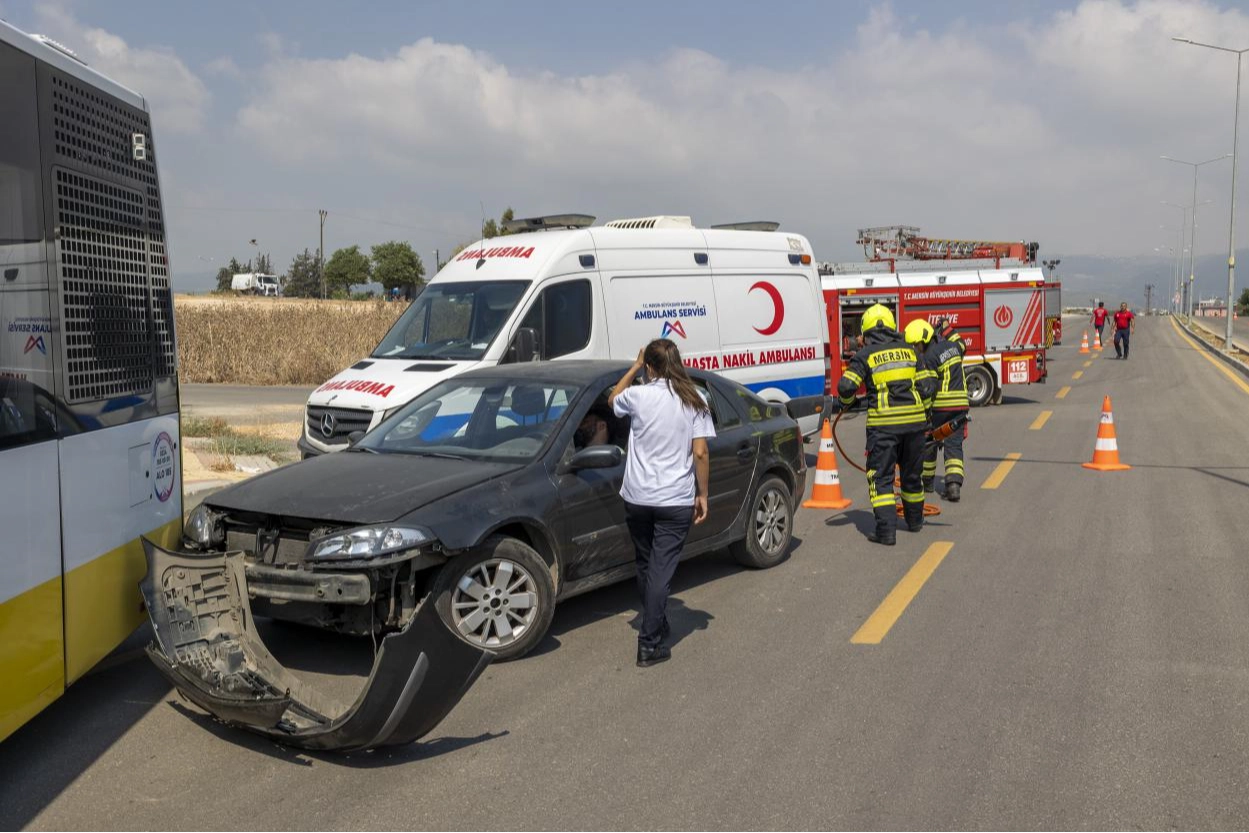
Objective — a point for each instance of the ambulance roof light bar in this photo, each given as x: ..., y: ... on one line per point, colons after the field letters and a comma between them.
x: 750, y: 225
x: 549, y: 222
x: 658, y: 221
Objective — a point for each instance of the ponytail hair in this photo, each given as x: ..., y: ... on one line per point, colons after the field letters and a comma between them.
x: 664, y: 359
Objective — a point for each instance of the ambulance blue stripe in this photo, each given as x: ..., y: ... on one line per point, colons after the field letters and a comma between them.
x: 805, y: 386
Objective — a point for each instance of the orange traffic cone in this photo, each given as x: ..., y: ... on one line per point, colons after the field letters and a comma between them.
x: 1106, y: 450
x: 1084, y: 342
x: 826, y: 493
x: 1097, y: 340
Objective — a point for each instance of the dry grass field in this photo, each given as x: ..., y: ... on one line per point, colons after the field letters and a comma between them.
x: 275, y: 341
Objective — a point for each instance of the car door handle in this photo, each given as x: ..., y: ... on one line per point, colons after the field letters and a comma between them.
x: 745, y: 451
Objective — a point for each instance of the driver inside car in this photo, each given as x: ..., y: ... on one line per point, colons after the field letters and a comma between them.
x: 592, y: 431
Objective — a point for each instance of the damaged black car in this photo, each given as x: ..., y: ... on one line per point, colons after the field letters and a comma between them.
x: 490, y: 497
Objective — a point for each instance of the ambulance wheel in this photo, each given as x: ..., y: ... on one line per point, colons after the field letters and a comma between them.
x: 769, y: 526
x: 979, y: 381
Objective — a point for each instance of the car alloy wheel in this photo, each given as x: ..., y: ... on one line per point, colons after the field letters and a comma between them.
x: 771, y: 520
x: 495, y: 603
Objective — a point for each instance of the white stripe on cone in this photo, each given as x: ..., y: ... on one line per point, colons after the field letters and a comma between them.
x: 1108, y: 418
x: 826, y: 445
x: 1107, y: 444
x: 826, y: 478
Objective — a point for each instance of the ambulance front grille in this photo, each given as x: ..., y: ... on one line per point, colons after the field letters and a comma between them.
x: 342, y: 422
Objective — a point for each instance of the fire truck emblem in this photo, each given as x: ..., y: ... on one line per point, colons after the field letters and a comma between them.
x: 1002, y: 316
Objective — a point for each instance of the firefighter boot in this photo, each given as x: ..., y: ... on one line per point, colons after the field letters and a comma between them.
x: 952, y: 492
x: 886, y: 527
x: 914, y: 515
x: 928, y: 485
x: 888, y: 537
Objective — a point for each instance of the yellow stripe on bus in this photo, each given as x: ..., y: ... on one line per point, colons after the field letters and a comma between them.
x: 102, y: 601
x: 32, y: 666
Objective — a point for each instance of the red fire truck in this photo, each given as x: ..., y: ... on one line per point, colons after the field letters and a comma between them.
x: 996, y: 303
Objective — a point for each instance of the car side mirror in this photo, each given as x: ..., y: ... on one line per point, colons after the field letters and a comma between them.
x: 354, y: 437
x: 526, y: 344
x: 596, y: 457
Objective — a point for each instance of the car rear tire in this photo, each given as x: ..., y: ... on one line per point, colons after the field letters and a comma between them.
x: 499, y: 596
x: 769, y: 526
x: 979, y: 383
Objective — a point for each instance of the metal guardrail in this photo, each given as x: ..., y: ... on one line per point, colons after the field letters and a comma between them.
x: 1188, y: 324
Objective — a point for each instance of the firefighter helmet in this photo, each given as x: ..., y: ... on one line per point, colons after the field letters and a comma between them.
x: 918, y: 332
x: 877, y: 315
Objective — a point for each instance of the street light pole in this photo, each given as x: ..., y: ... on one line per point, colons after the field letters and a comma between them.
x: 321, y: 252
x: 1231, y: 221
x: 1192, y: 237
x: 1179, y: 251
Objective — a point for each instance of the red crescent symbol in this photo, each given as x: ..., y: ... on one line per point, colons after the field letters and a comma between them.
x: 778, y: 314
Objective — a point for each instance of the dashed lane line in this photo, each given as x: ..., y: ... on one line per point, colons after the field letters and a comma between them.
x: 1089, y: 363
x: 1062, y: 394
x: 887, y: 613
x: 1077, y: 374
x: 1039, y: 422
x: 1003, y: 469
x: 1201, y: 351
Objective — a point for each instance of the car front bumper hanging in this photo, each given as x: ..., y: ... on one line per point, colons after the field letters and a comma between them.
x: 207, y: 646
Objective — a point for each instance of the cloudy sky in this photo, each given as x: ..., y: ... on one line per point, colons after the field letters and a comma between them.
x: 997, y: 120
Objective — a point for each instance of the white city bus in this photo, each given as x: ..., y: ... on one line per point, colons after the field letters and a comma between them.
x: 89, y: 441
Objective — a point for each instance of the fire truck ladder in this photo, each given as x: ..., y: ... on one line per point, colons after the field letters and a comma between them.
x: 905, y: 242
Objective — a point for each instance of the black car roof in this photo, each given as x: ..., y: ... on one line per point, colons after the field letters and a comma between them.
x: 576, y: 372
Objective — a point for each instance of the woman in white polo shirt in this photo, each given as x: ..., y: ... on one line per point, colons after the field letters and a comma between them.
x: 665, y: 482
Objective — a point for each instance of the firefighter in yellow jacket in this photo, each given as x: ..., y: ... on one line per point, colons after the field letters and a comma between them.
x: 942, y: 351
x: 899, y: 390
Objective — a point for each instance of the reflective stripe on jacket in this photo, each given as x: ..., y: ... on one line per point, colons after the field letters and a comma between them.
x: 944, y: 356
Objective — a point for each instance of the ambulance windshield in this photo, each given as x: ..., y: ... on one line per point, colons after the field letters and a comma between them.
x: 453, y: 320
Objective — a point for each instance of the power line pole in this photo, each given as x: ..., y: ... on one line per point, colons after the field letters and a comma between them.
x: 1149, y: 298
x: 321, y: 252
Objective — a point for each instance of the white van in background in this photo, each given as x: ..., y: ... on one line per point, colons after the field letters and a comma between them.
x: 743, y: 302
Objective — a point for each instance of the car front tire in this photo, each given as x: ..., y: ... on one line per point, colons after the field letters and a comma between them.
x: 769, y: 526
x: 499, y: 596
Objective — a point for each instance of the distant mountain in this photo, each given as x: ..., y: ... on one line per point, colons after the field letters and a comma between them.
x: 1086, y: 278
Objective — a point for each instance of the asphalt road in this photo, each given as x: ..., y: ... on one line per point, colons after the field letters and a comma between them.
x: 1077, y: 660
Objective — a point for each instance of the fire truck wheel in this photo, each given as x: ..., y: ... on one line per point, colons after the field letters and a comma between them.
x: 979, y: 381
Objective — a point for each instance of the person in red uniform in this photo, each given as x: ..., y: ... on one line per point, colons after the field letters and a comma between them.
x: 1099, y: 320
x: 1125, y: 325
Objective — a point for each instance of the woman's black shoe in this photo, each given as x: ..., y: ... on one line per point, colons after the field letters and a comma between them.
x: 653, y: 656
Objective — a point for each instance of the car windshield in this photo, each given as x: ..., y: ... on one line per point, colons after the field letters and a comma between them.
x: 491, y: 420
x: 453, y: 320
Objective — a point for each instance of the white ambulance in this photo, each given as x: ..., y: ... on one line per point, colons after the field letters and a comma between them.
x: 743, y: 300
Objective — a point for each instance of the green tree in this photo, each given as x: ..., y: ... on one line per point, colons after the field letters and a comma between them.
x: 226, y: 273
x: 346, y: 268
x: 1243, y: 301
x: 264, y: 265
x: 396, y: 264
x: 303, y: 280
x: 508, y: 216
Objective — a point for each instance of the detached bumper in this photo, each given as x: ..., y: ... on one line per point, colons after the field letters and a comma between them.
x: 207, y: 646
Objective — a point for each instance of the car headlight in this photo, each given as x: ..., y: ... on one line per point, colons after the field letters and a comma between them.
x: 203, y: 528
x: 370, y: 542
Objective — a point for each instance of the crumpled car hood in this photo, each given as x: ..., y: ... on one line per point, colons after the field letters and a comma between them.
x: 207, y: 646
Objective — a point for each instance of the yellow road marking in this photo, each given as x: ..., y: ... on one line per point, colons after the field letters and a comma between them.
x: 1039, y: 422
x: 1062, y: 394
x: 887, y: 613
x: 1077, y: 374
x: 1226, y: 371
x: 1089, y: 363
x: 1003, y: 469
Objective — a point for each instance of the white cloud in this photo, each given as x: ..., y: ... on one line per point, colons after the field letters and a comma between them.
x: 1047, y: 129
x: 178, y: 98
x: 224, y: 67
